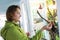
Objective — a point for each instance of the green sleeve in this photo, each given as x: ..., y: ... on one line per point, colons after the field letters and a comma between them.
x: 14, y: 34
x: 37, y: 36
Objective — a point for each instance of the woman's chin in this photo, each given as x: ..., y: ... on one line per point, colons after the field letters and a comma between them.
x: 18, y: 20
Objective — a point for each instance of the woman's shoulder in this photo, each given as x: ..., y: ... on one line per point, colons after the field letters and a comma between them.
x: 7, y: 26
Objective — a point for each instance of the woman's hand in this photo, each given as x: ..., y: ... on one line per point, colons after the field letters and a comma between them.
x: 48, y: 27
x: 28, y: 34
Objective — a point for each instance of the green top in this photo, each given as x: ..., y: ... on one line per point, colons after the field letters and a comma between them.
x: 12, y: 31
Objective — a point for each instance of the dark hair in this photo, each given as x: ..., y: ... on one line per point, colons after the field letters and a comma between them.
x: 10, y: 11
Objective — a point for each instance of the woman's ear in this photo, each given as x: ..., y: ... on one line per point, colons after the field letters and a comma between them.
x: 11, y: 16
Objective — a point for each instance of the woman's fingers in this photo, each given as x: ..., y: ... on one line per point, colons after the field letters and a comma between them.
x: 48, y: 27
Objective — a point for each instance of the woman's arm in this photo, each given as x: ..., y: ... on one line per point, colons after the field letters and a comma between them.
x: 38, y: 35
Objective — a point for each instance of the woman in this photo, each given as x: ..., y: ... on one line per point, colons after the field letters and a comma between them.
x: 12, y: 31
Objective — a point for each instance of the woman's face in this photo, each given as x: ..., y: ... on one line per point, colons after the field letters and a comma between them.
x: 16, y: 15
